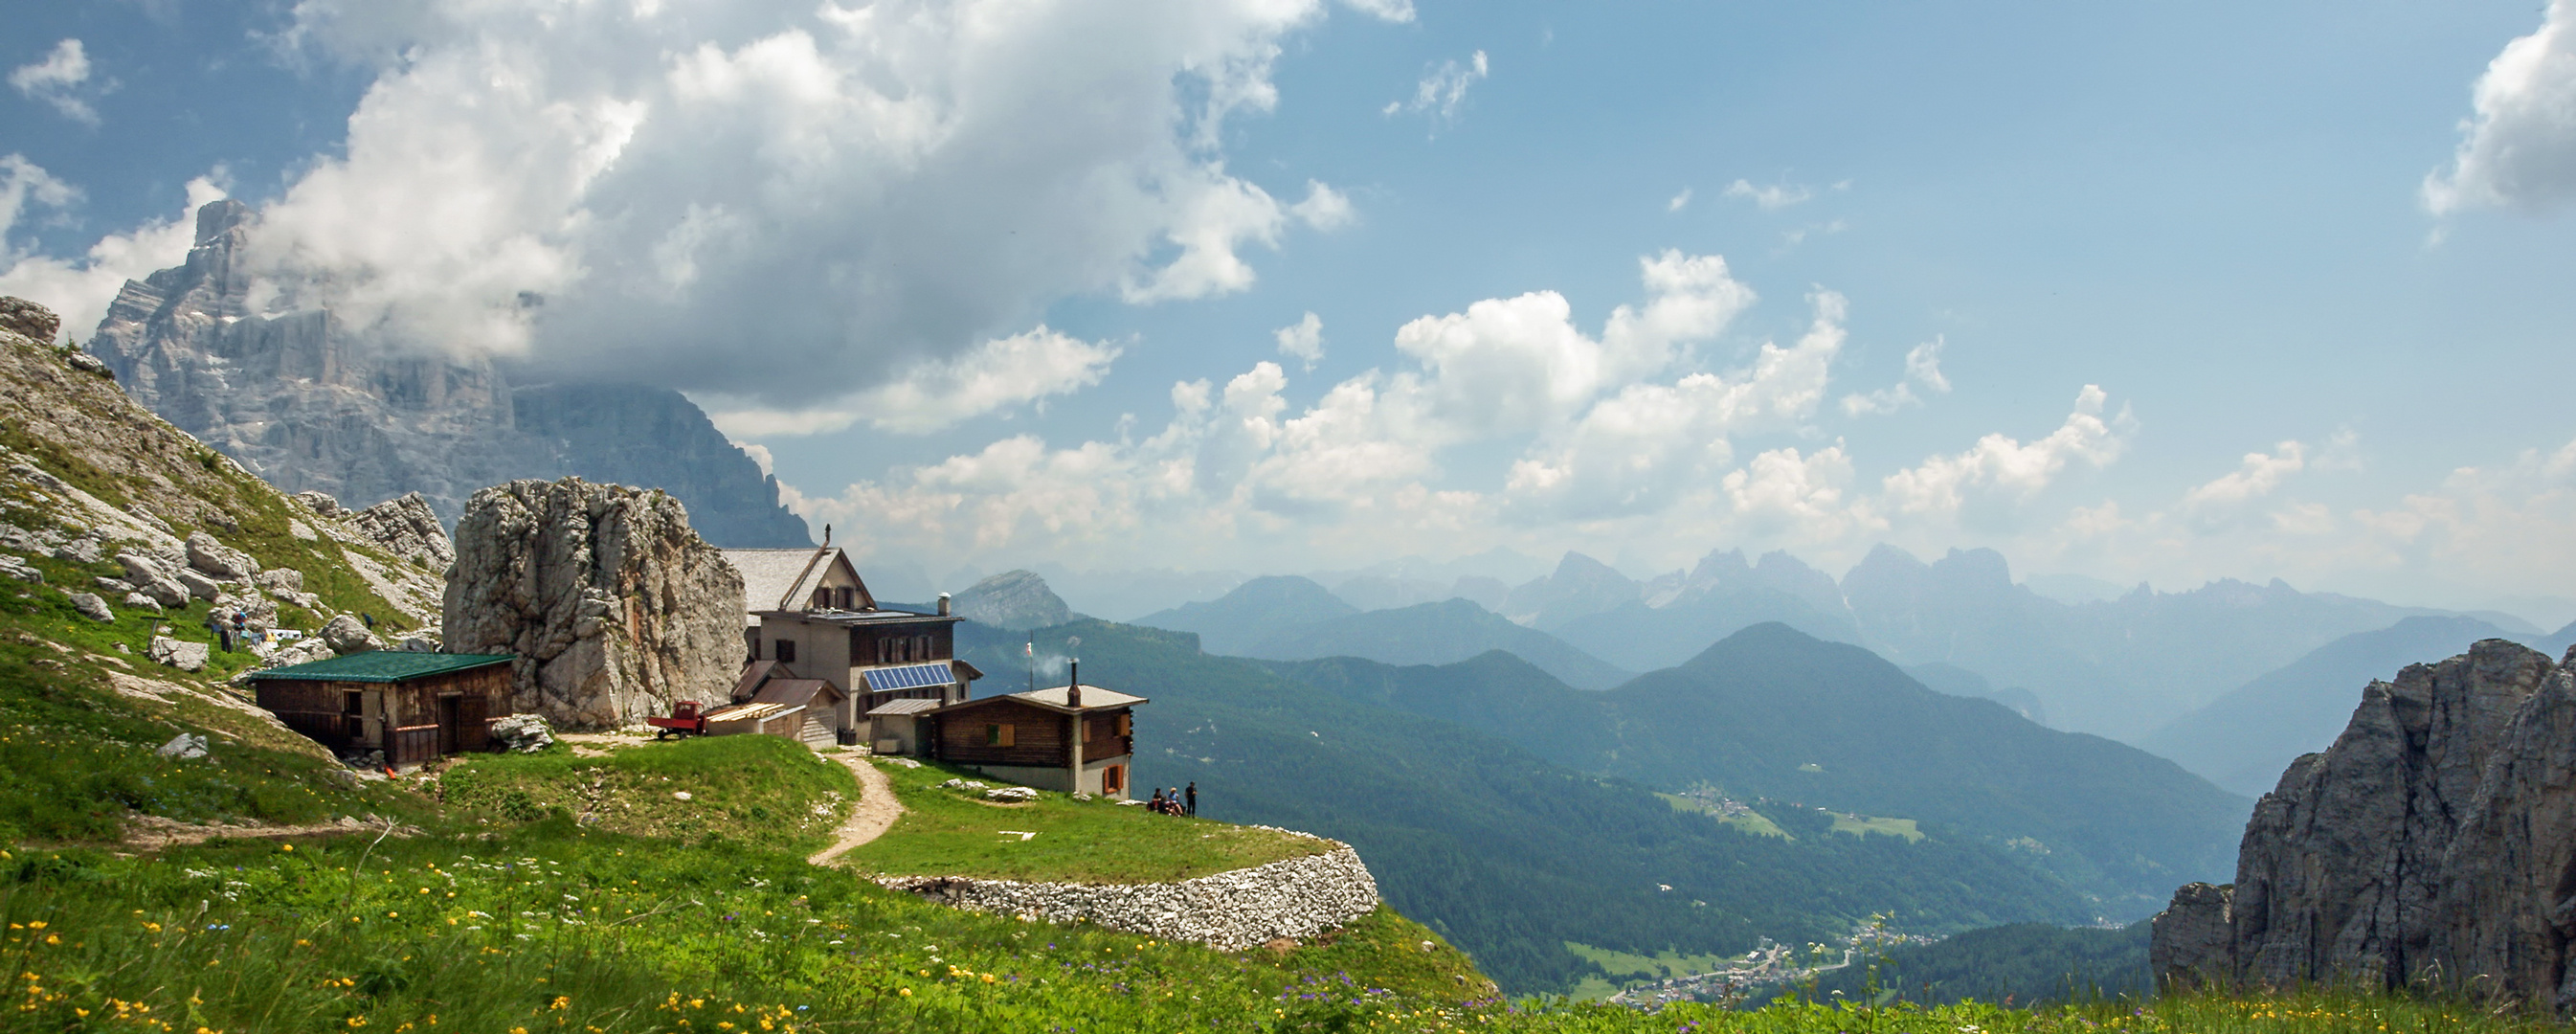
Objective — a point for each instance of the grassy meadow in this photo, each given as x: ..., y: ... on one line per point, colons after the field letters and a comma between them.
x: 758, y: 790
x: 958, y: 832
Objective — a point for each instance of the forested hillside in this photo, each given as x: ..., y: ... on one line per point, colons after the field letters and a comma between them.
x: 1773, y: 713
x: 2024, y: 963
x: 1508, y: 855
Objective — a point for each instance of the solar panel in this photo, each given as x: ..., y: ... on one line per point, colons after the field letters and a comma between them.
x: 909, y: 676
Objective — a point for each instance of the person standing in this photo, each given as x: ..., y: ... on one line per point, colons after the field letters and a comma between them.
x: 1192, y: 807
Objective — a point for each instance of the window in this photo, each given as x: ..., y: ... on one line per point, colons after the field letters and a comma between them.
x: 1113, y: 779
x: 785, y: 650
x: 1126, y: 725
x: 885, y: 649
x: 1000, y: 736
x: 921, y: 647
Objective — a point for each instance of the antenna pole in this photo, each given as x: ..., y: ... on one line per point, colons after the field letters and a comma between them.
x: 1033, y: 662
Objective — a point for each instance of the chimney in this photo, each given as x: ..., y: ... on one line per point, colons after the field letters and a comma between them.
x: 943, y: 604
x: 1073, y: 684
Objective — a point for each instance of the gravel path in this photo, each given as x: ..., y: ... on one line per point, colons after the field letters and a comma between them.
x: 876, y: 810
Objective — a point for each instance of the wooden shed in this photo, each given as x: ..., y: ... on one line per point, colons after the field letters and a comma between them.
x: 413, y: 706
x: 1074, y: 738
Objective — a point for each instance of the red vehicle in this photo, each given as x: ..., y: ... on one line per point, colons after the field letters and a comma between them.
x: 684, y: 721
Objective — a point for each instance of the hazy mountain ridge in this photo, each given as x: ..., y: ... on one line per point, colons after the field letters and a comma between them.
x: 1773, y: 713
x: 310, y: 402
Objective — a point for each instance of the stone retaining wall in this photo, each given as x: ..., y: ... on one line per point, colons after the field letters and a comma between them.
x: 1230, y: 911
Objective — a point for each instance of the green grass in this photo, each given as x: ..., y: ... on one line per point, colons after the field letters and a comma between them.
x: 1629, y: 966
x: 1753, y: 822
x: 1863, y: 825
x: 763, y: 791
x: 956, y: 832
x: 553, y: 928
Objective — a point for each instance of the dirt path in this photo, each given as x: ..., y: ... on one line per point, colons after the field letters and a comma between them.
x: 876, y: 810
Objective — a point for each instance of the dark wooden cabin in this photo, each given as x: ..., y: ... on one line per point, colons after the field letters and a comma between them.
x: 1075, y: 739
x: 413, y: 706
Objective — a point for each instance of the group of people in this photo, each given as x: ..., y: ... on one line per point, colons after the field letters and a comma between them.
x: 1175, y: 801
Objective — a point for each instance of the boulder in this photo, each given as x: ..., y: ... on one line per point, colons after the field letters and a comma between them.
x: 14, y: 567
x: 21, y: 316
x: 2433, y: 843
x: 186, y: 746
x: 140, y: 601
x: 280, y: 580
x: 198, y: 585
x: 406, y: 527
x: 525, y: 733
x: 346, y: 634
x: 219, y: 560
x: 92, y: 607
x: 613, y: 606
x: 148, y: 577
x: 322, y: 504
x: 185, y: 656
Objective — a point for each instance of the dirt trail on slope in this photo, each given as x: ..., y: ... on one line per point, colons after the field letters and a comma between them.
x: 876, y: 810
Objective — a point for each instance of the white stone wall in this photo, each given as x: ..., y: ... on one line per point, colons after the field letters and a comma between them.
x: 1230, y: 911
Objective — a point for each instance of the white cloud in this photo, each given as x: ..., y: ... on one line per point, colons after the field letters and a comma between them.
x: 2002, y: 469
x: 1922, y: 366
x: 1781, y: 490
x: 57, y: 79
x: 1384, y: 10
x: 995, y: 376
x: 2520, y: 149
x: 2254, y: 478
x: 1443, y: 90
x: 1641, y: 448
x: 864, y: 189
x: 80, y: 290
x: 1679, y: 201
x: 1304, y: 340
x: 1771, y: 198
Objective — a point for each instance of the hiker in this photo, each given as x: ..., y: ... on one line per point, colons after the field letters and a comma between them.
x: 1192, y: 808
x: 370, y: 619
x: 1156, y: 805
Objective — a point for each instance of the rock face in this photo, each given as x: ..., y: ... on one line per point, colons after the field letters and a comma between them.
x: 614, y: 606
x: 407, y: 528
x: 310, y: 403
x: 2434, y: 842
x: 1230, y: 911
x: 1016, y: 600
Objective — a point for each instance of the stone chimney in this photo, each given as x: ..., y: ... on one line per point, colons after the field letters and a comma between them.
x: 943, y: 604
x: 1073, y: 683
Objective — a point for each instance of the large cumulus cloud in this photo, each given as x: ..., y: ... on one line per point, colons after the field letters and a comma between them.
x: 775, y: 203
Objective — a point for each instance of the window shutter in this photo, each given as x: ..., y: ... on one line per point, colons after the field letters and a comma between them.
x: 1007, y: 739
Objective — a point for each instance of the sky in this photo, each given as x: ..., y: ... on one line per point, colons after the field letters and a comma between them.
x: 2139, y: 292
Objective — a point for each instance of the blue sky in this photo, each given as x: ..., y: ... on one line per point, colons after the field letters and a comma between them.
x: 2308, y: 366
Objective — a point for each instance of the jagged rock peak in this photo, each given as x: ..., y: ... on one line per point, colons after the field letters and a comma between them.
x: 2434, y: 842
x: 408, y: 528
x: 613, y: 605
x: 313, y: 404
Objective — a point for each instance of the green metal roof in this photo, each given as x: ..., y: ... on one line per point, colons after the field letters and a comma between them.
x: 383, y: 666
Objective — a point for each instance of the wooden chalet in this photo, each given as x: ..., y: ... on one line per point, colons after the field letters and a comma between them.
x: 413, y: 706
x: 1073, y: 738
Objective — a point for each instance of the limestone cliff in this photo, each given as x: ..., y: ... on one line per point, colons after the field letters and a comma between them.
x: 310, y: 403
x: 1016, y: 600
x: 2435, y: 841
x: 613, y: 605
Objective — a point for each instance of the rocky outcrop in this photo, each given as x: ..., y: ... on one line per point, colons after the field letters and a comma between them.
x: 407, y: 527
x: 2434, y: 842
x: 1016, y: 600
x: 311, y: 403
x: 1230, y: 911
x: 614, y: 607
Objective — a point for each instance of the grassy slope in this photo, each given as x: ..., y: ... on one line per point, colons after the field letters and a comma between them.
x: 946, y: 832
x: 1509, y: 855
x: 760, y: 790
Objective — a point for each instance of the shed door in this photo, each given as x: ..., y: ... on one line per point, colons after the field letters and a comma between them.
x: 474, y: 723
x: 451, y: 722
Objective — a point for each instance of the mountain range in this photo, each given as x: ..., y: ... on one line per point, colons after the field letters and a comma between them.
x: 1510, y: 852
x: 1291, y: 618
x: 1771, y: 713
x: 310, y: 402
